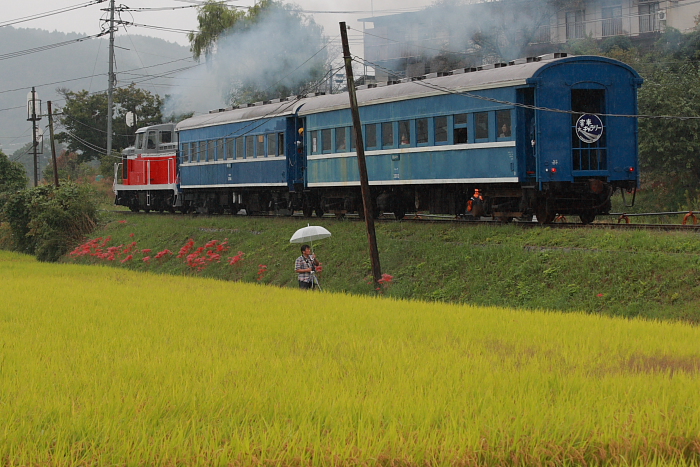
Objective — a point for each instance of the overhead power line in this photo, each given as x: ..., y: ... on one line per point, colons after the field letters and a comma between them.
x: 47, y: 47
x: 48, y: 13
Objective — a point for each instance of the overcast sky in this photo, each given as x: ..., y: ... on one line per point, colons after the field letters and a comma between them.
x: 86, y: 19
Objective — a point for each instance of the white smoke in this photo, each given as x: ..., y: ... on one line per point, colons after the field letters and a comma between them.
x: 282, y: 49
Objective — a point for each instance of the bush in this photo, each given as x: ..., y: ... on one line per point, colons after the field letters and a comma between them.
x: 46, y: 221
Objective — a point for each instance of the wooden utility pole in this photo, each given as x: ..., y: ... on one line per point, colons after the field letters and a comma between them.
x: 111, y: 79
x: 34, y: 117
x: 361, y: 163
x: 53, y: 147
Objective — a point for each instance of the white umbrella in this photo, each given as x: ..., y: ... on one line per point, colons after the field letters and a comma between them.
x: 309, y: 234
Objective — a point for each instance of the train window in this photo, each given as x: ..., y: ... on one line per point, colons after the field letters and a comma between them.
x: 220, y: 155
x: 230, y: 145
x: 280, y: 138
x: 326, y: 141
x: 260, y: 146
x: 387, y: 134
x: 503, y: 123
x: 314, y: 142
x: 440, y: 130
x: 185, y: 152
x: 211, y: 144
x: 166, y: 137
x: 272, y: 145
x: 422, y: 131
x: 138, y: 144
x: 240, y: 151
x: 371, y: 135
x: 249, y: 147
x: 405, y: 132
x: 460, y: 133
x: 341, y: 140
x: 201, y: 150
x: 353, y: 137
x: 151, y: 142
x: 482, y: 125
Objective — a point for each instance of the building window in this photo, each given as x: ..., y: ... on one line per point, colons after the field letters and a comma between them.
x: 481, y: 120
x: 440, y: 130
x: 387, y: 134
x: 647, y: 17
x: 422, y: 131
x: 503, y: 124
x: 575, y: 27
x: 461, y: 132
x: 612, y: 21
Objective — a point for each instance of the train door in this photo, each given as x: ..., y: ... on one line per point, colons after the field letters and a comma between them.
x: 588, y: 135
x: 526, y: 135
x: 296, y: 154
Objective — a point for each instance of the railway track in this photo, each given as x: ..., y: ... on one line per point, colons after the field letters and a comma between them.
x: 442, y: 219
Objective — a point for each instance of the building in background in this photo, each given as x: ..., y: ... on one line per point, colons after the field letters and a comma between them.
x: 446, y: 37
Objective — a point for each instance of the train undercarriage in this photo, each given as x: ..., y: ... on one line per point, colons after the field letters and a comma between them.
x: 506, y: 202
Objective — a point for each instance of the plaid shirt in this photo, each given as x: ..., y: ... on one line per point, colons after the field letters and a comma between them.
x: 303, y: 263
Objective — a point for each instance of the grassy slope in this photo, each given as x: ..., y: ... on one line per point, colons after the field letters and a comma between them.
x: 649, y: 274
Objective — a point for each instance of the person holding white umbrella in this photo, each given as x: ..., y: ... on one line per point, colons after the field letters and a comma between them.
x: 305, y: 267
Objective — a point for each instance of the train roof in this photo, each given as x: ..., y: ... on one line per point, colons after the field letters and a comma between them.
x: 516, y: 73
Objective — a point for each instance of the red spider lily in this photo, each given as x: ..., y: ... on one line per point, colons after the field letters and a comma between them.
x: 386, y: 279
x: 160, y: 254
x: 131, y: 235
x: 146, y: 259
x: 262, y: 269
x: 211, y: 243
x: 122, y: 222
x: 128, y: 258
x: 233, y: 260
x: 186, y: 248
x: 211, y: 256
x: 146, y: 250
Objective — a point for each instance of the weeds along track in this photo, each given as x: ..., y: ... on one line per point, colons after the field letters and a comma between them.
x: 442, y: 219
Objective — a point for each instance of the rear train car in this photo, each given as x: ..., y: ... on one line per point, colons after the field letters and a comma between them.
x: 550, y: 135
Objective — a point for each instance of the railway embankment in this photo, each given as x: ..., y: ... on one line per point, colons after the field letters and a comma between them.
x: 649, y: 274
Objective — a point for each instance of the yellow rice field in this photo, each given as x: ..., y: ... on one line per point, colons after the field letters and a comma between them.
x: 103, y: 366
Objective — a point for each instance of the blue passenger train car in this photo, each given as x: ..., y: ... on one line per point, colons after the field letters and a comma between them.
x: 539, y: 136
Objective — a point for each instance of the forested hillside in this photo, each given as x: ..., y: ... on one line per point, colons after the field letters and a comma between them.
x: 74, y: 66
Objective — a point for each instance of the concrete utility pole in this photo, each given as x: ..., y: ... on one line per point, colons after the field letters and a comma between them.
x: 53, y: 146
x: 111, y: 78
x: 362, y: 164
x: 33, y: 116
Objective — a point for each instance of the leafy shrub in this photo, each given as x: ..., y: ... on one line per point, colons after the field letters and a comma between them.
x: 46, y: 221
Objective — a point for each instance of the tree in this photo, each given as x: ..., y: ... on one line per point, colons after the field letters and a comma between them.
x: 85, y: 119
x: 214, y: 18
x: 12, y: 175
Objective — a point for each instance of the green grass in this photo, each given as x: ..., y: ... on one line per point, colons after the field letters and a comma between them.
x: 101, y: 366
x: 621, y: 273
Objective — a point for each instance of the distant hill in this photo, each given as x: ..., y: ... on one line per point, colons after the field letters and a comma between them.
x: 76, y: 66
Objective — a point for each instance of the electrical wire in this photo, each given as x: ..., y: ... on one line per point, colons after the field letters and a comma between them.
x: 48, y: 47
x: 49, y: 13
